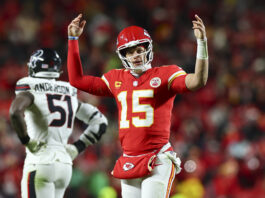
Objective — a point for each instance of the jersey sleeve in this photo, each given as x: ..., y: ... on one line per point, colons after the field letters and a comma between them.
x: 91, y: 84
x: 107, y: 78
x: 176, y: 79
x: 22, y: 85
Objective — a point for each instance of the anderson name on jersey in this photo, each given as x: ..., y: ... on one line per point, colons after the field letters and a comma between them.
x: 50, y: 118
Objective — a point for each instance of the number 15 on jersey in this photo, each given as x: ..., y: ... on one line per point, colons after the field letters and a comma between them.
x: 136, y: 121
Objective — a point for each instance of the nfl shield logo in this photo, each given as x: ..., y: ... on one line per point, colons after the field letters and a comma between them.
x: 155, y: 82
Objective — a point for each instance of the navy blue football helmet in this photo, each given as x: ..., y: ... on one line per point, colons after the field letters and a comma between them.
x: 45, y: 63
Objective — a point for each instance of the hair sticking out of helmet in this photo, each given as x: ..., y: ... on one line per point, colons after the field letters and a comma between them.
x: 130, y: 37
x: 45, y: 63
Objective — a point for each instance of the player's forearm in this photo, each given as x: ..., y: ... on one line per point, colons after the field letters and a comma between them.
x: 16, y: 113
x: 90, y: 136
x: 201, y: 71
x: 199, y: 78
x: 202, y: 63
x: 18, y: 123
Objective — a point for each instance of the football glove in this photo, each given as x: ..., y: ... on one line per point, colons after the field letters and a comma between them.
x: 34, y: 145
x: 71, y: 150
x: 175, y: 160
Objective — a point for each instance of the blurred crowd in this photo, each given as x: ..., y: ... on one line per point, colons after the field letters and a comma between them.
x: 218, y: 131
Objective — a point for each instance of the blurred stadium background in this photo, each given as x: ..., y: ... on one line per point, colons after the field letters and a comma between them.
x: 218, y: 131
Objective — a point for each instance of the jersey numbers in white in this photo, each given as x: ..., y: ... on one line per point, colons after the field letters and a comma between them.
x: 136, y: 108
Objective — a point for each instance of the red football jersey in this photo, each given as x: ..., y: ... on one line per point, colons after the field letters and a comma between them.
x: 145, y: 105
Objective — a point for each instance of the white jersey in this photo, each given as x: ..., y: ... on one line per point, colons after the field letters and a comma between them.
x: 50, y: 118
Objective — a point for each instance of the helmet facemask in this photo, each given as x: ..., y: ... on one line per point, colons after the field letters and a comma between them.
x: 146, y: 57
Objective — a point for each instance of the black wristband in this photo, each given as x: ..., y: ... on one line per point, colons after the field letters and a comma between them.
x: 79, y: 145
x: 24, y: 140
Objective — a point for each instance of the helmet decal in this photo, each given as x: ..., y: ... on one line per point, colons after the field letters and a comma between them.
x: 35, y: 57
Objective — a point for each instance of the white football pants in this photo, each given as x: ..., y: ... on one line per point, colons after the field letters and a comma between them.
x: 45, y: 180
x: 156, y: 185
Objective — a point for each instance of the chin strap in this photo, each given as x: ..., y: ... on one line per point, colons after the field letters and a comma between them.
x: 134, y: 73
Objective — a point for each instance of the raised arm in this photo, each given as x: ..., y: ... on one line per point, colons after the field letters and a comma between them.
x: 90, y: 84
x: 198, y: 79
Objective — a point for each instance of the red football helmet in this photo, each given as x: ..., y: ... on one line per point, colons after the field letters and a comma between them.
x: 132, y: 36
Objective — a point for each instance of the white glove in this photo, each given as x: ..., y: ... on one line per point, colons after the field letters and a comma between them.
x: 71, y: 150
x: 175, y: 160
x: 34, y: 145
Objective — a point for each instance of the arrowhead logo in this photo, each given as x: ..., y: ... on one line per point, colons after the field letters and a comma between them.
x: 128, y: 166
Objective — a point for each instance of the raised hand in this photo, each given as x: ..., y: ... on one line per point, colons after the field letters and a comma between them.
x: 75, y: 28
x: 199, y: 28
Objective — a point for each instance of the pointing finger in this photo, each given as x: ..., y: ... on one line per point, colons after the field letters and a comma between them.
x: 78, y: 17
x: 198, y: 18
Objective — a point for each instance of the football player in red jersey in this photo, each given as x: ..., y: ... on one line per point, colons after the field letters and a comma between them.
x: 144, y: 97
